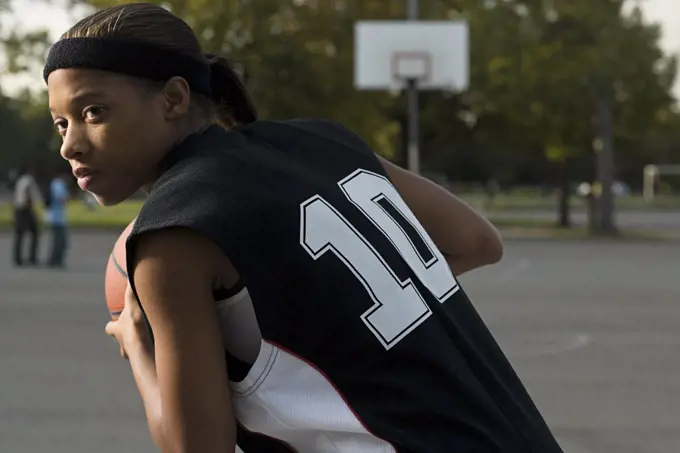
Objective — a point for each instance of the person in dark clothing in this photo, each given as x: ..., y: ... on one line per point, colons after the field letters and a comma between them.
x: 27, y: 197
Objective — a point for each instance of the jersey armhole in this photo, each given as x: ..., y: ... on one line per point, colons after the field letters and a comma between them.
x: 129, y: 247
x: 221, y: 294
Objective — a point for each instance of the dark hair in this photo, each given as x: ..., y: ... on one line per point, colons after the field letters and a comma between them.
x: 229, y: 103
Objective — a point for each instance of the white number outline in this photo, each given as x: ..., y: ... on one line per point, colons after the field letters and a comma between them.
x: 405, y: 285
x: 405, y: 212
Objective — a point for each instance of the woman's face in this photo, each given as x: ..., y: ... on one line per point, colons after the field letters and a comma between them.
x: 114, y: 133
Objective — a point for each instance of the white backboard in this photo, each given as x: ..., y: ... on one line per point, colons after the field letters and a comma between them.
x: 386, y: 52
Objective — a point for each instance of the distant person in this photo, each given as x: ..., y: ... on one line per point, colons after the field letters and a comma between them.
x: 26, y: 197
x: 56, y: 218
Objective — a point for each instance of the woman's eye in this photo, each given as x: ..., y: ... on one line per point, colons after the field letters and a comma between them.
x: 60, y: 126
x: 93, y: 113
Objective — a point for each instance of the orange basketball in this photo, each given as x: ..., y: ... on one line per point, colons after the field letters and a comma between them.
x: 116, y: 279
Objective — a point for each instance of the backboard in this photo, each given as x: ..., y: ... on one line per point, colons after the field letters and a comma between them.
x: 388, y: 53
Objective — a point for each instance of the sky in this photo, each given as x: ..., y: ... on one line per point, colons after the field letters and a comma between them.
x: 53, y: 15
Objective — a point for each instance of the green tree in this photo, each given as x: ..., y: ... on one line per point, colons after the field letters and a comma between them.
x: 25, y: 123
x: 617, y: 76
x: 540, y: 73
x: 297, y: 56
x: 540, y: 76
x: 28, y: 135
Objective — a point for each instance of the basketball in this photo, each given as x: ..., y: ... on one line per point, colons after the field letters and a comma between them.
x: 116, y: 278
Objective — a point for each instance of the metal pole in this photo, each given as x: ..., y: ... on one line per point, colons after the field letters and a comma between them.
x: 412, y: 11
x: 413, y: 151
x: 605, y: 161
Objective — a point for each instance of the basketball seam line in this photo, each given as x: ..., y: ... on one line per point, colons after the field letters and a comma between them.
x: 118, y: 266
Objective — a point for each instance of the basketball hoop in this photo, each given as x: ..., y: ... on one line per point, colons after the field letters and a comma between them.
x: 389, y: 53
x: 411, y: 55
x: 412, y: 65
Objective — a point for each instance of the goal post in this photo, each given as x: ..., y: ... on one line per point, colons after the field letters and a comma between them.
x: 650, y: 176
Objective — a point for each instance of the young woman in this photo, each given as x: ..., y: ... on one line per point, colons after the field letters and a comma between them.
x: 293, y: 287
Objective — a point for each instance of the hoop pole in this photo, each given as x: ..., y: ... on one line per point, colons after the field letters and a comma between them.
x: 412, y: 9
x: 412, y: 150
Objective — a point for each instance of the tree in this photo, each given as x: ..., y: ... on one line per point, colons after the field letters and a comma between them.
x: 25, y: 123
x: 619, y: 79
x: 554, y: 80
x: 539, y: 71
x: 297, y: 56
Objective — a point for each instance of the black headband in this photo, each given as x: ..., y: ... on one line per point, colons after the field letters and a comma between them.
x: 137, y: 59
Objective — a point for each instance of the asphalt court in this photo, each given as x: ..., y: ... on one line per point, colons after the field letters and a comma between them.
x: 591, y: 327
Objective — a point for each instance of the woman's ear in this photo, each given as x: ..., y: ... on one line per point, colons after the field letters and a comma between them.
x: 177, y: 96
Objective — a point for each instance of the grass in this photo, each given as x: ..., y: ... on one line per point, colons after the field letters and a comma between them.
x: 117, y: 217
x: 518, y: 201
x: 120, y: 215
x: 80, y: 217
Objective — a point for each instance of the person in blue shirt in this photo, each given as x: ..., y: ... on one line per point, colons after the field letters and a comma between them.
x: 56, y: 218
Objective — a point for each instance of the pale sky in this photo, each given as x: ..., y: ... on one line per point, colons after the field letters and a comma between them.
x: 51, y: 14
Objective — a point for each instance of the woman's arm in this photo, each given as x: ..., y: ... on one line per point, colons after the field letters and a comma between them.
x: 130, y: 329
x: 464, y: 236
x: 188, y: 400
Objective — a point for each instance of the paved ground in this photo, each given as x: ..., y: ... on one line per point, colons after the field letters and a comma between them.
x: 648, y: 220
x: 593, y: 328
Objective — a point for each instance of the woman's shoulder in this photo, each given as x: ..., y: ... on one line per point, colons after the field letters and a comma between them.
x: 309, y: 130
x: 309, y: 125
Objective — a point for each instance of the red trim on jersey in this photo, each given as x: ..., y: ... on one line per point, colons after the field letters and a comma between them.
x: 361, y: 422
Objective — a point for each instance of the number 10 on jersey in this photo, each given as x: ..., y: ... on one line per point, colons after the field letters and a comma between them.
x: 398, y: 306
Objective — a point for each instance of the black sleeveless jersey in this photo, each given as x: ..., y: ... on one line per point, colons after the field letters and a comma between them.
x: 369, y: 344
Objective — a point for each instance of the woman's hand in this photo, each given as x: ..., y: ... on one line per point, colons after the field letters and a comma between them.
x: 130, y: 328
x: 131, y: 331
